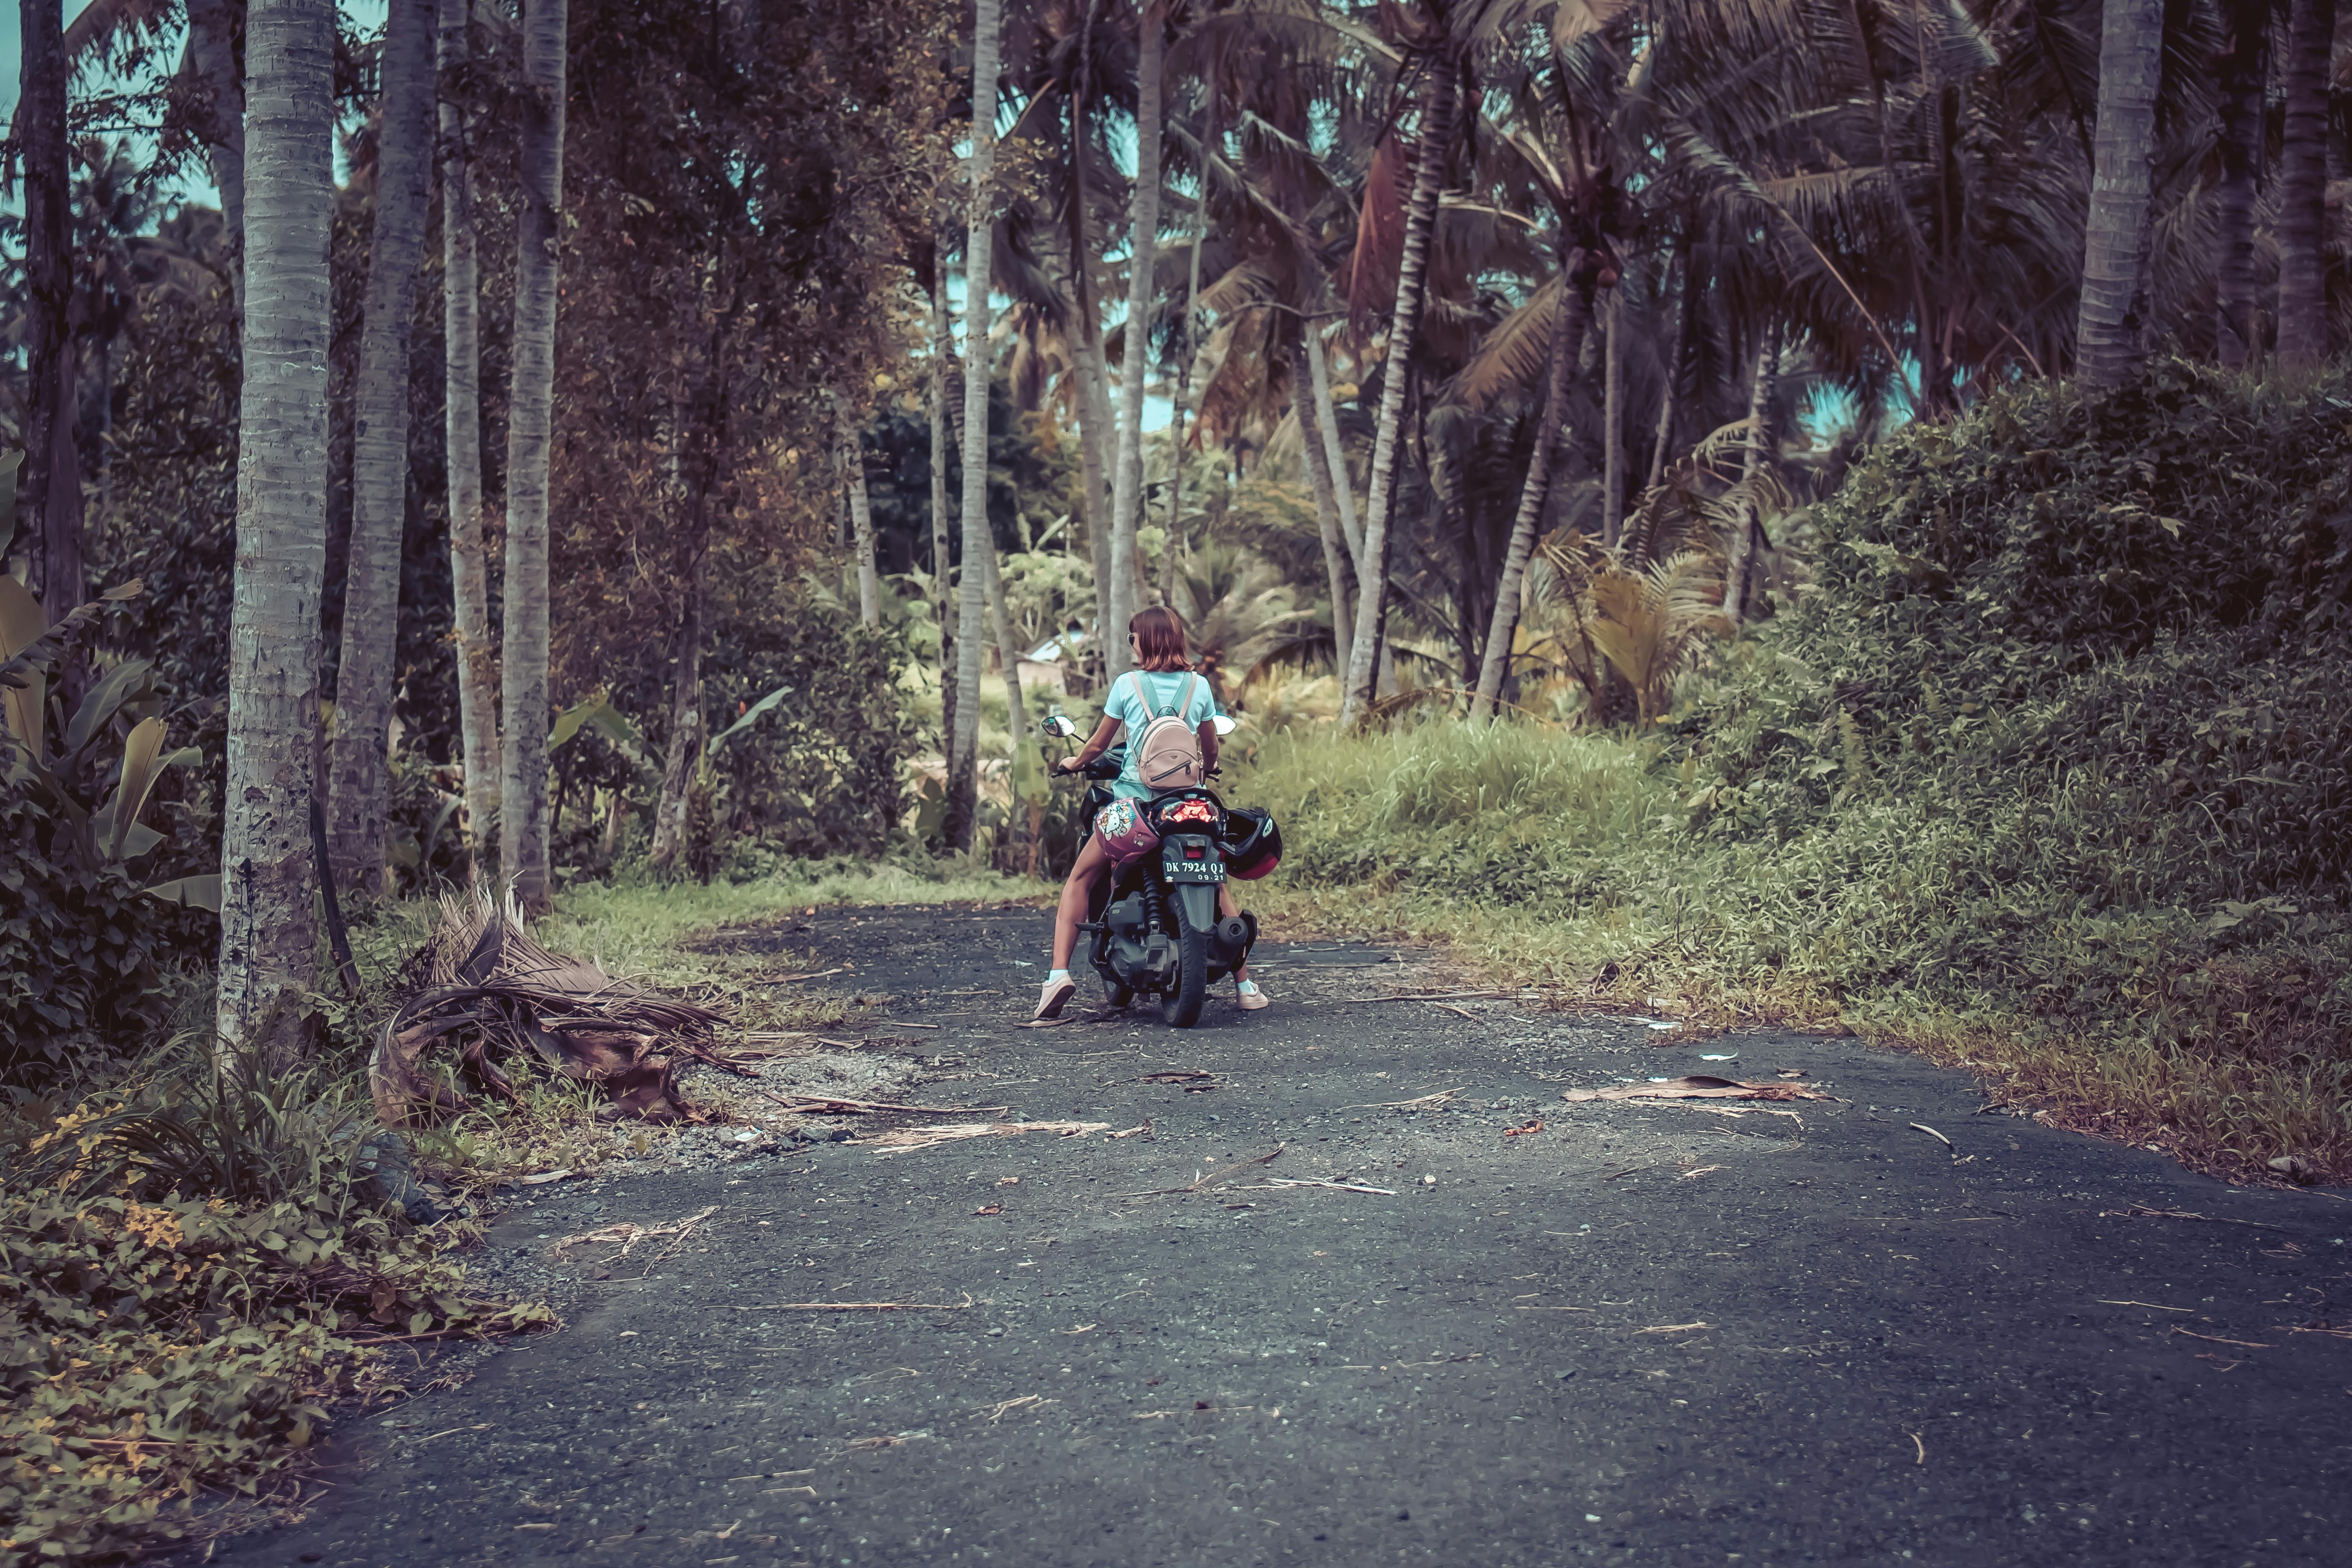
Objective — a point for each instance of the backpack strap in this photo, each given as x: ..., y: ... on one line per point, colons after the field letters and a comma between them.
x: 1191, y: 685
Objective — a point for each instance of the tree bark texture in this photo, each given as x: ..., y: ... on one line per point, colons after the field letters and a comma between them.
x: 963, y: 777
x: 1612, y: 423
x: 1186, y: 354
x: 1420, y: 217
x: 48, y: 484
x: 2245, y: 73
x: 1762, y: 441
x: 1566, y: 343
x: 530, y: 405
x: 219, y: 118
x: 1337, y: 566
x: 268, y: 877
x: 1335, y: 455
x: 359, y: 763
x: 1008, y: 652
x: 942, y: 552
x: 852, y: 451
x: 477, y: 657
x: 686, y: 725
x: 1126, y: 471
x: 2302, y: 224
x: 2112, y: 322
x: 1667, y: 398
x: 1096, y: 422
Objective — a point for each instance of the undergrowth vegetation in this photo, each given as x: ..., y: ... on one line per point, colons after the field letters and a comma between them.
x: 2046, y: 775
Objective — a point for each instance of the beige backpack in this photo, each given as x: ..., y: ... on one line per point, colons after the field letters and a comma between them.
x: 1168, y: 753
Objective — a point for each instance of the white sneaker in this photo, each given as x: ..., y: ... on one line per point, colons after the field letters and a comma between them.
x: 1250, y: 997
x: 1056, y: 996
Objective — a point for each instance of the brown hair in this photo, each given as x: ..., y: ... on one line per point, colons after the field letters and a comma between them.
x: 1158, y: 634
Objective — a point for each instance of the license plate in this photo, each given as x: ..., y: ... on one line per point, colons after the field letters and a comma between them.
x: 1193, y: 870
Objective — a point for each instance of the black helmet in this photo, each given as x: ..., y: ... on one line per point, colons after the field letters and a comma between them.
x: 1252, y: 843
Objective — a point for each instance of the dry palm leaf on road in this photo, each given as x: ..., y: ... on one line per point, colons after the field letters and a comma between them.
x: 483, y: 986
x: 1697, y: 1086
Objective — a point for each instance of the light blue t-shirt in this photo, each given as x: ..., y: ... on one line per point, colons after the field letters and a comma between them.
x: 1162, y: 689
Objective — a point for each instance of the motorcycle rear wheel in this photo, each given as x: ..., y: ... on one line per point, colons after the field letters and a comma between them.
x: 1180, y: 1006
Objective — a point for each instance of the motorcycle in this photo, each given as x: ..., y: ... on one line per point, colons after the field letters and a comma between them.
x: 1153, y: 922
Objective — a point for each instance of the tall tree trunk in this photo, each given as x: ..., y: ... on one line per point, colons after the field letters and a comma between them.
x: 686, y: 725
x: 268, y: 877
x: 2245, y: 75
x: 359, y: 766
x: 1094, y: 386
x: 1566, y: 343
x: 942, y: 553
x: 531, y: 410
x: 1008, y: 652
x: 2112, y: 324
x: 1762, y: 441
x: 1092, y: 401
x: 1669, y: 397
x: 478, y: 658
x: 1143, y: 250
x: 963, y: 778
x: 48, y: 484
x: 219, y: 121
x: 1421, y: 217
x: 1334, y: 455
x: 2303, y: 187
x: 1186, y: 354
x: 852, y: 452
x: 1338, y: 567
x: 1612, y: 420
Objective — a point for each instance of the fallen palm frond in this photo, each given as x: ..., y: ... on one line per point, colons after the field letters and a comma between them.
x: 482, y: 986
x: 901, y: 1138
x: 1697, y: 1086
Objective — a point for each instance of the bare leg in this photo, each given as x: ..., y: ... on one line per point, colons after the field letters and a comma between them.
x: 1093, y: 862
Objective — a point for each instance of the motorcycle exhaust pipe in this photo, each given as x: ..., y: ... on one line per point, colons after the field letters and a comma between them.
x: 1234, y: 933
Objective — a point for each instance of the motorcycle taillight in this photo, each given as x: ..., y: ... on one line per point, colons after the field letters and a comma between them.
x: 1195, y: 852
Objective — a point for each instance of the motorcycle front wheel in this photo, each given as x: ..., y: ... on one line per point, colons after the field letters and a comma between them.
x: 1180, y: 1006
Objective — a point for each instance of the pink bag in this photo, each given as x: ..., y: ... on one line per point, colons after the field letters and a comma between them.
x: 1124, y: 832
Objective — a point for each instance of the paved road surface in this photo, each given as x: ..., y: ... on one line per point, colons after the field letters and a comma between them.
x: 1644, y: 1335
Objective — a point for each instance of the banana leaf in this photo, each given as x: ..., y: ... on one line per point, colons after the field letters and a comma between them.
x: 190, y: 892
x: 751, y: 716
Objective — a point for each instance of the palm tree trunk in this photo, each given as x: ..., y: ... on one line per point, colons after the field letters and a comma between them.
x: 2303, y: 189
x: 219, y: 122
x: 1186, y: 354
x: 861, y: 518
x: 269, y: 875
x: 2112, y: 324
x: 1613, y: 421
x: 48, y: 484
x: 963, y: 777
x: 1761, y: 443
x: 531, y: 409
x: 1421, y: 217
x: 359, y: 765
x: 686, y: 724
x: 1008, y: 652
x: 1566, y: 345
x: 1127, y: 469
x: 1337, y: 566
x: 478, y: 658
x: 1668, y: 398
x: 2245, y: 74
x: 1093, y: 388
x: 942, y: 569
x: 1334, y: 455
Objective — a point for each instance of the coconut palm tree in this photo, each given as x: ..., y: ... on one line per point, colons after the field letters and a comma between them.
x: 359, y: 762
x: 963, y: 779
x: 522, y: 810
x: 2303, y: 186
x: 1118, y: 595
x: 2245, y: 71
x: 268, y: 877
x: 477, y: 666
x: 1440, y: 60
x: 2111, y: 338
x: 48, y: 486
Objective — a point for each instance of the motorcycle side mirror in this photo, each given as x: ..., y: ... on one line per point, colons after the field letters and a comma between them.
x: 1060, y: 725
x: 1225, y: 726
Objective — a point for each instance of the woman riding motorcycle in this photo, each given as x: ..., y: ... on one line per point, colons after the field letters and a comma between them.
x: 1164, y: 678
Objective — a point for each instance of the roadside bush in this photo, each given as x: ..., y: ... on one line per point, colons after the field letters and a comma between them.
x: 2047, y: 773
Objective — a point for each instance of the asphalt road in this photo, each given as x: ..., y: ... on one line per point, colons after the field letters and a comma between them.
x: 1643, y: 1333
